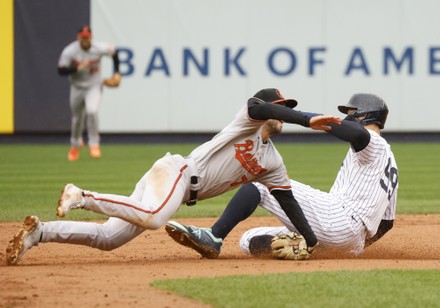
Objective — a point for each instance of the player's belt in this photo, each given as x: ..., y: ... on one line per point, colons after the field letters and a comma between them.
x: 193, y: 193
x: 194, y: 185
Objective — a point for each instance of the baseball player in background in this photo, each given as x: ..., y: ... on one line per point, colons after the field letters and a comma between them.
x: 242, y: 152
x: 81, y: 61
x: 359, y: 209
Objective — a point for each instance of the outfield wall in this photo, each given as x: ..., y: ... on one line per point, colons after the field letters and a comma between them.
x: 188, y: 66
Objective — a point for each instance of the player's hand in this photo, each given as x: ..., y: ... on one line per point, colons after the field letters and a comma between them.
x: 321, y: 122
x: 113, y: 81
x: 83, y: 65
x: 291, y: 246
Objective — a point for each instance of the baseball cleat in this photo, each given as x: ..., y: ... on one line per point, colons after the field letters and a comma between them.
x: 200, y: 239
x: 71, y: 198
x: 27, y: 237
x: 73, y: 154
x: 95, y: 151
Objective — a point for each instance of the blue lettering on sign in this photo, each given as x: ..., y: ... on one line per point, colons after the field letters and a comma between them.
x: 188, y: 56
x: 233, y: 61
x: 126, y: 67
x: 158, y: 62
x: 388, y: 56
x: 313, y: 60
x: 434, y: 58
x: 289, y: 69
x: 357, y: 61
x: 402, y: 62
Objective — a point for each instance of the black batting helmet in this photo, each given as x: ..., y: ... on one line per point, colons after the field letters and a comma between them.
x: 370, y: 105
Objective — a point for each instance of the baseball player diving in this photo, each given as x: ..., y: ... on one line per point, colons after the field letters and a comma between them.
x: 242, y: 152
x: 81, y: 61
x: 359, y: 209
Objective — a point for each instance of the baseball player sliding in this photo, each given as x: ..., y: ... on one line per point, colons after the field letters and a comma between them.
x: 358, y: 210
x: 81, y: 61
x: 242, y: 152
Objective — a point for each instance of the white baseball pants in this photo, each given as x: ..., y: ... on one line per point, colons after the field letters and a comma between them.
x: 157, y: 196
x: 85, y: 102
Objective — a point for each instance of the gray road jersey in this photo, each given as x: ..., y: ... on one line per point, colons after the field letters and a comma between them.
x: 237, y: 155
x: 367, y: 183
x: 74, y: 54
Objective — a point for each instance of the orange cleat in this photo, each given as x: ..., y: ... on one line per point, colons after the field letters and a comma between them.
x: 73, y: 154
x: 95, y: 151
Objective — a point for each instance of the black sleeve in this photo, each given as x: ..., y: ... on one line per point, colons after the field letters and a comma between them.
x: 115, y: 62
x: 351, y: 132
x: 292, y: 209
x: 64, y: 71
x: 278, y: 112
x: 241, y: 206
x: 384, y: 227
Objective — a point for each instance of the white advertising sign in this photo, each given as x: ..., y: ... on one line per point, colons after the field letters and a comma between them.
x: 188, y: 66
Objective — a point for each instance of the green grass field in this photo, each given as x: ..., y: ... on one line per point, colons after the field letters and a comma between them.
x: 31, y: 177
x: 386, y: 288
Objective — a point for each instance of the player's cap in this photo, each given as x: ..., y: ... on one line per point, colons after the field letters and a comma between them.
x: 274, y: 96
x: 85, y: 32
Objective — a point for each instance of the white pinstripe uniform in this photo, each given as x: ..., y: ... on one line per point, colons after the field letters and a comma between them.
x: 234, y: 156
x: 364, y: 193
x: 86, y: 88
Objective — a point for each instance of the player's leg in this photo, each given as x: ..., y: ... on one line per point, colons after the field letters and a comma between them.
x: 107, y: 236
x: 77, y: 120
x: 208, y: 241
x: 164, y: 187
x: 92, y: 101
x: 112, y: 234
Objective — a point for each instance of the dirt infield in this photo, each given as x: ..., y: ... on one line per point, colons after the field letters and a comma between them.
x: 55, y: 275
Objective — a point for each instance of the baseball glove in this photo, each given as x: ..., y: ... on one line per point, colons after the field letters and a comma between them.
x: 290, y: 246
x: 114, y: 81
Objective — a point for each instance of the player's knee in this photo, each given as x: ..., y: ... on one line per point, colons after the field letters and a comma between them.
x: 260, y: 245
x: 153, y: 223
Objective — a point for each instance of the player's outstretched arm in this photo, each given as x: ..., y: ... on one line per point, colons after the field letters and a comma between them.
x: 321, y: 122
x: 288, y: 115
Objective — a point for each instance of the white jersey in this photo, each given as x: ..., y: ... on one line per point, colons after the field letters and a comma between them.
x: 364, y: 193
x: 367, y: 183
x: 73, y: 54
x: 237, y: 155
